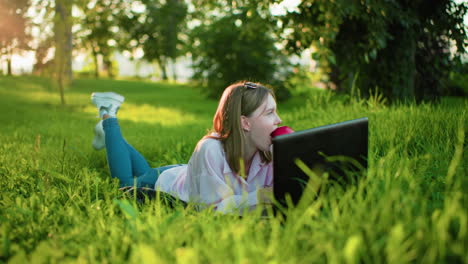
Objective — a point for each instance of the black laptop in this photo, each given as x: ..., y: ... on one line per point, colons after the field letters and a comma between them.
x: 337, y: 152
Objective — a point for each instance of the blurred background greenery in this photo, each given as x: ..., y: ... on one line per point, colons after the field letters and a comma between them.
x: 402, y: 50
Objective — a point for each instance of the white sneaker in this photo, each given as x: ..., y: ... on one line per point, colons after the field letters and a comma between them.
x: 99, y: 141
x: 107, y: 103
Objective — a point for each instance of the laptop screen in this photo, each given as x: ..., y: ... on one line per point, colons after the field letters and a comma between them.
x: 335, y: 151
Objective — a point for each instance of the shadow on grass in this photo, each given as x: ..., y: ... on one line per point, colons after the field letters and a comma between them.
x: 31, y: 109
x: 182, y: 98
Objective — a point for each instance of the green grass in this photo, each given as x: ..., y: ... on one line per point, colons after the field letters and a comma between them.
x: 58, y: 203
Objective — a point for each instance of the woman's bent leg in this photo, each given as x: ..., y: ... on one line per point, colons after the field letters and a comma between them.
x: 139, y: 164
x: 124, y: 161
x: 151, y: 176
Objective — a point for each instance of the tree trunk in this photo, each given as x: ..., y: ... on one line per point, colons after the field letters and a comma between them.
x: 403, y: 84
x: 335, y: 80
x: 163, y: 67
x: 96, y: 63
x: 69, y: 48
x: 174, y: 71
x: 61, y: 87
x: 9, y: 69
x: 109, y: 67
x: 9, y: 55
x: 63, y: 45
x: 164, y: 72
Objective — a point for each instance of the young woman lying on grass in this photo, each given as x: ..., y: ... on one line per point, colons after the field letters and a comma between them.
x: 240, y: 141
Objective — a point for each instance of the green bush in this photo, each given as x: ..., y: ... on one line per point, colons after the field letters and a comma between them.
x: 234, y: 48
x: 458, y: 81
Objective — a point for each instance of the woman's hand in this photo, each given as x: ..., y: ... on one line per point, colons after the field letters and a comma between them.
x: 265, y: 195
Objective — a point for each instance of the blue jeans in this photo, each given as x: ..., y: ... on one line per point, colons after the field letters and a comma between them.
x: 125, y: 163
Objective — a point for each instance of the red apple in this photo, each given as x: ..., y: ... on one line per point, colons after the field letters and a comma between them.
x: 283, y: 130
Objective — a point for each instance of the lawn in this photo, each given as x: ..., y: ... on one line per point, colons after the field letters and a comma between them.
x: 58, y: 203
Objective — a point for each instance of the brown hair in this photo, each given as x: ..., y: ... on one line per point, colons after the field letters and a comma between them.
x: 241, y: 98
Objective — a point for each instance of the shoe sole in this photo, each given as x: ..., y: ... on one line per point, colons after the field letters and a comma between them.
x: 113, y: 96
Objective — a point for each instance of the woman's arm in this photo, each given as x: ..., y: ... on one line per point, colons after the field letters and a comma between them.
x: 214, y: 188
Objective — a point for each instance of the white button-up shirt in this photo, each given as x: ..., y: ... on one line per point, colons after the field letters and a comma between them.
x: 209, y: 181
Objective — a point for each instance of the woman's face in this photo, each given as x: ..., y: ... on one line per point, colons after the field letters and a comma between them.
x: 261, y: 123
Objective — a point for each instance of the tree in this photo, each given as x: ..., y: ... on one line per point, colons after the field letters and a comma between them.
x: 42, y: 17
x: 156, y: 29
x: 236, y: 42
x: 63, y: 44
x: 13, y: 22
x: 402, y: 48
x: 99, y: 29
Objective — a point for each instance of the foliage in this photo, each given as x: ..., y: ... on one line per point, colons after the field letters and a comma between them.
x: 301, y: 79
x: 99, y: 29
x: 42, y: 18
x: 58, y: 203
x: 237, y: 45
x: 401, y: 47
x: 156, y: 30
x: 458, y: 83
x: 13, y: 22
